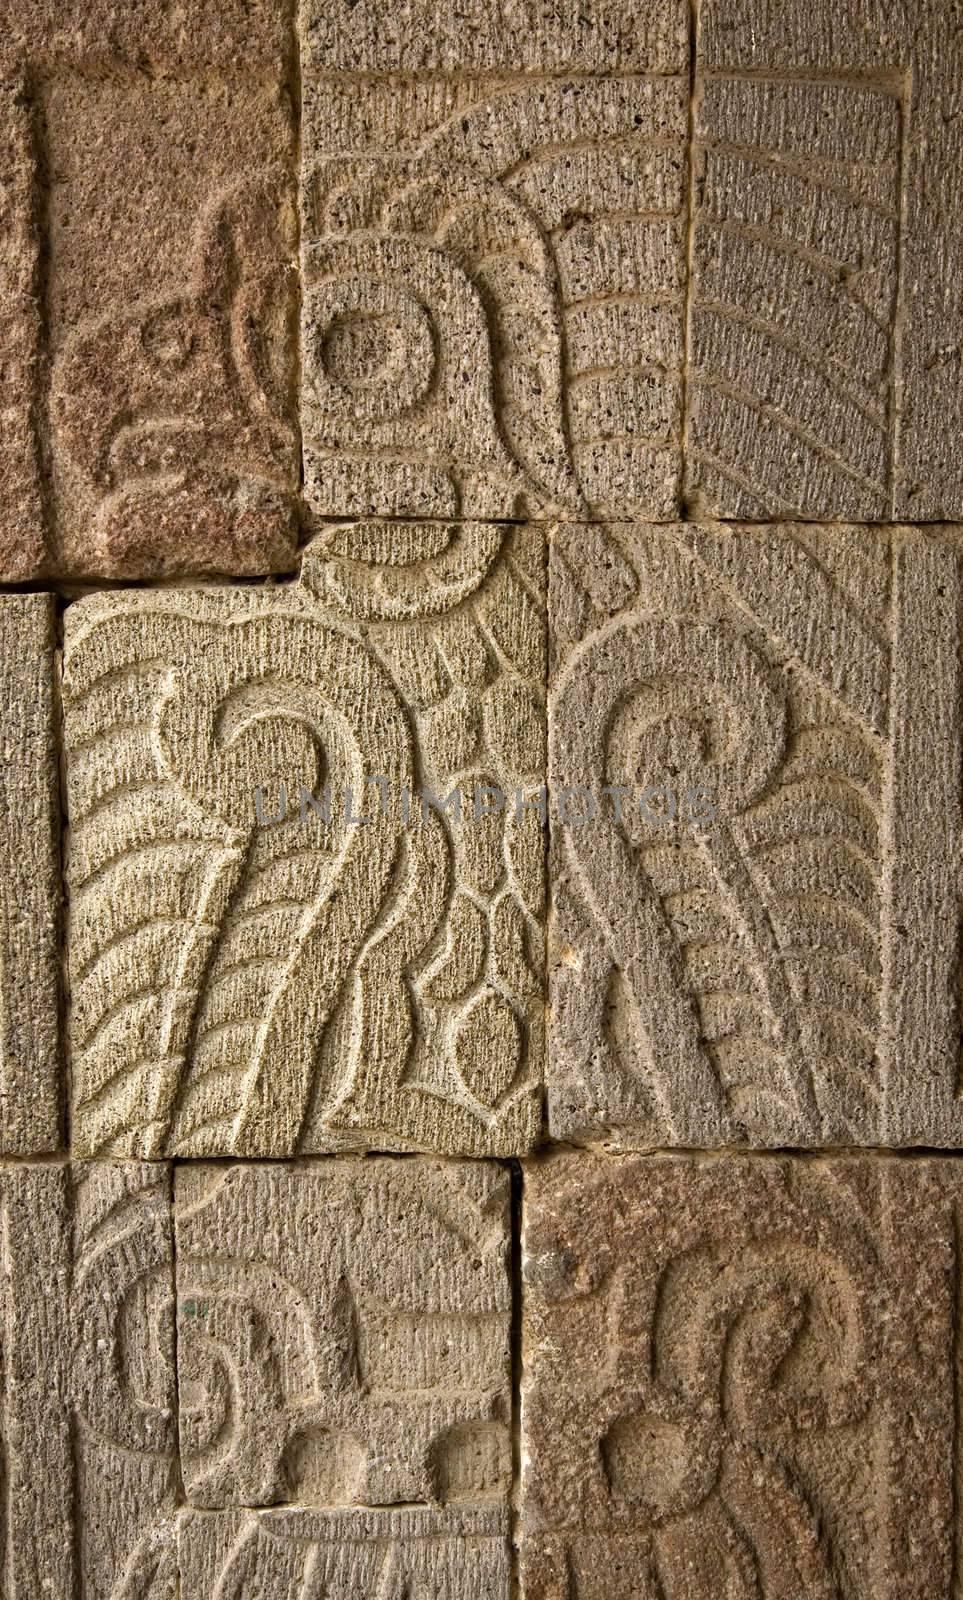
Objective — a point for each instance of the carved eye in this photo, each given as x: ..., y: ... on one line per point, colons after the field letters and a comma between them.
x: 167, y: 339
x: 375, y: 350
x: 363, y: 349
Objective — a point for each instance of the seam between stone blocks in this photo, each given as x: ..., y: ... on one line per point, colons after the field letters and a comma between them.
x: 690, y: 172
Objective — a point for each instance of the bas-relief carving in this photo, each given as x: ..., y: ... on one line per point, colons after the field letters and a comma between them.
x: 756, y: 978
x: 242, y: 988
x: 492, y: 319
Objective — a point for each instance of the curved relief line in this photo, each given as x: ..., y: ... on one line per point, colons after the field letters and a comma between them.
x: 813, y: 173
x: 669, y: 1020
x: 764, y: 579
x: 240, y: 1568
x: 114, y: 1416
x: 152, y: 1561
x: 831, y: 267
x: 181, y: 1009
x: 141, y: 1001
x: 824, y: 453
x: 384, y: 1018
x: 740, y: 889
x: 358, y: 589
x: 128, y: 1215
x: 278, y: 1086
x: 604, y: 675
x: 767, y: 504
x: 146, y: 925
x: 508, y: 112
x: 823, y: 366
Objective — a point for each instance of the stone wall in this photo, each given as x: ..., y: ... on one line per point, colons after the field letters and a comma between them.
x: 481, y: 816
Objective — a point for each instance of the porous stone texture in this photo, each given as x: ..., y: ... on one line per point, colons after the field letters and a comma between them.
x: 421, y: 1553
x: 149, y: 287
x: 255, y: 971
x: 89, y: 1426
x: 423, y: 36
x: 758, y: 941
x: 343, y: 1338
x: 494, y: 280
x: 31, y: 1068
x: 823, y: 372
x: 739, y: 1378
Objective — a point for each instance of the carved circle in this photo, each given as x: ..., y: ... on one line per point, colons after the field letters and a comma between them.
x: 375, y: 349
x: 167, y: 337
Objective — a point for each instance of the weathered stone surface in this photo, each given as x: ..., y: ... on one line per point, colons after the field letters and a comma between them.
x: 739, y: 1378
x: 824, y: 349
x: 148, y: 327
x: 423, y: 35
x: 779, y: 963
x: 419, y: 1553
x: 343, y: 1334
x: 30, y: 1057
x: 191, y: 37
x: 247, y: 985
x: 494, y: 277
x: 88, y: 1423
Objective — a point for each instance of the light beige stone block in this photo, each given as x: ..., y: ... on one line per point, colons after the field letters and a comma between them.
x: 824, y: 323
x: 739, y: 1378
x: 343, y: 1334
x: 247, y: 985
x: 89, y: 1427
x: 423, y: 36
x: 31, y: 1067
x: 494, y: 278
x: 148, y: 327
x: 777, y: 963
x: 415, y: 1552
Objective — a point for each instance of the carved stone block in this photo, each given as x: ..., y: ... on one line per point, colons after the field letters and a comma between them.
x: 343, y: 1334
x: 89, y: 1427
x: 756, y: 939
x: 415, y: 1552
x: 279, y: 941
x: 494, y: 279
x: 823, y: 377
x: 191, y: 37
x: 426, y: 36
x: 148, y: 324
x: 31, y: 1074
x: 739, y: 1378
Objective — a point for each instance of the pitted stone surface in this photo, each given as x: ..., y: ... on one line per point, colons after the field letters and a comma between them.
x: 343, y: 1333
x: 31, y: 1069
x: 254, y: 970
x: 193, y: 36
x: 423, y: 36
x: 88, y: 1413
x: 419, y: 1553
x: 494, y: 279
x: 757, y: 942
x: 822, y: 369
x: 148, y: 323
x: 738, y: 1378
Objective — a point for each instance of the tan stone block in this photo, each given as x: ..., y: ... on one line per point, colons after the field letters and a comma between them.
x: 494, y: 278
x: 779, y: 962
x: 824, y: 324
x: 424, y: 36
x: 189, y: 37
x: 253, y: 971
x: 739, y: 1378
x: 31, y: 1071
x: 427, y: 1554
x: 343, y: 1333
x: 150, y: 290
x: 88, y: 1425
